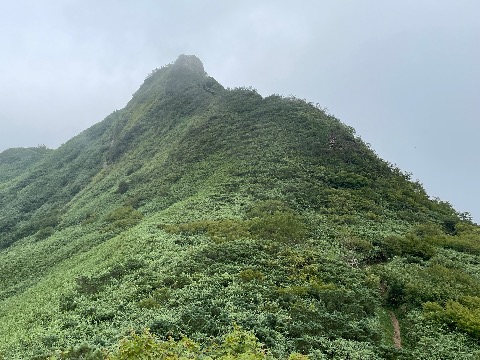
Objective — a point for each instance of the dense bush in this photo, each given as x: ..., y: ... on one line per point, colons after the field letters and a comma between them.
x: 463, y: 314
x: 238, y: 344
x: 405, y: 246
x: 122, y: 218
x: 414, y: 285
x: 273, y: 221
x: 44, y: 232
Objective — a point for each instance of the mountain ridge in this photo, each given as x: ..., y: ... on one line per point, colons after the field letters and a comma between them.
x: 195, y: 207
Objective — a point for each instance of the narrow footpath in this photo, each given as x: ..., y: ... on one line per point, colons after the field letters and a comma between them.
x: 397, y: 339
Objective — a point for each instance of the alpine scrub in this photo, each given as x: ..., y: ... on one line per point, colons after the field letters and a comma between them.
x: 214, y: 223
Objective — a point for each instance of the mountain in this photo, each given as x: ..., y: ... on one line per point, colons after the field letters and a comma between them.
x: 225, y: 216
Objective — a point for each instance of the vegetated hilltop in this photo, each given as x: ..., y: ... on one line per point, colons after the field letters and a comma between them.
x: 260, y: 227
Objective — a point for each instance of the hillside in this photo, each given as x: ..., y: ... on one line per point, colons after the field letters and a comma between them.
x: 15, y: 162
x: 196, y: 209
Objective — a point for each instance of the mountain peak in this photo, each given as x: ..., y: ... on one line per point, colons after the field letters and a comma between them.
x: 190, y: 62
x: 174, y: 78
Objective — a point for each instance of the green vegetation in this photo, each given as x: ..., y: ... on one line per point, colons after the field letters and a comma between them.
x: 203, y: 222
x: 15, y: 162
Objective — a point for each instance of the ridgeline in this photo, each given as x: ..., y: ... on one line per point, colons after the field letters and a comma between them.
x: 228, y: 224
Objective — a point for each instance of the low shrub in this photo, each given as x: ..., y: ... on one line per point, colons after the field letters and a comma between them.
x: 238, y: 344
x: 406, y: 246
x: 463, y: 314
x: 122, y: 218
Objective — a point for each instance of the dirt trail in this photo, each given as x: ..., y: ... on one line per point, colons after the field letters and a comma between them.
x: 397, y: 340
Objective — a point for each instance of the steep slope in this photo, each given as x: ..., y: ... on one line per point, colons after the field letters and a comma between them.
x: 196, y: 207
x: 36, y: 199
x: 47, y: 189
x: 15, y: 162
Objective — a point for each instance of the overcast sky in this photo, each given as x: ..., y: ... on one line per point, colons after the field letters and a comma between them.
x: 405, y: 74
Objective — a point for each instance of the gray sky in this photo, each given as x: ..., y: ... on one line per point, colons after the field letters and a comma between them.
x: 405, y: 74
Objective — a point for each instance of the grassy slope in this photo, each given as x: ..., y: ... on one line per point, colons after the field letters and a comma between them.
x: 15, y: 162
x: 195, y: 207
